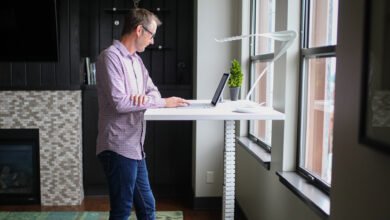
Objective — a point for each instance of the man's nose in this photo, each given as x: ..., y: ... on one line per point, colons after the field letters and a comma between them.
x: 152, y: 41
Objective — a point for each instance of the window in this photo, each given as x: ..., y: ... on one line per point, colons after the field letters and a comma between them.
x: 262, y: 21
x: 318, y: 72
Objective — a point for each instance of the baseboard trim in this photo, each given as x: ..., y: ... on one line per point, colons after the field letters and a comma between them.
x: 207, y: 203
x: 215, y: 203
x: 238, y: 212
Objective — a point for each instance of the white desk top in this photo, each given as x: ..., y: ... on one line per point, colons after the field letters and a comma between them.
x: 223, y: 111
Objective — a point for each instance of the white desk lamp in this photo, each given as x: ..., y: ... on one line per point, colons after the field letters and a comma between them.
x: 286, y: 37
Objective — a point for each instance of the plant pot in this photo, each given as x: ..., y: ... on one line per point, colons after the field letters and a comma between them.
x: 234, y: 92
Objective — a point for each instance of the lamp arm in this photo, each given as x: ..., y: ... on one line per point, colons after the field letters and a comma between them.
x: 287, y: 38
x: 257, y: 81
x: 285, y: 46
x: 279, y: 36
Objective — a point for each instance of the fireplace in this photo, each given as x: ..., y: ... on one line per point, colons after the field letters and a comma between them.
x: 19, y: 166
x: 57, y: 116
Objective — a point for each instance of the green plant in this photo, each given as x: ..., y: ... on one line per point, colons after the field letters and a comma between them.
x: 236, y: 75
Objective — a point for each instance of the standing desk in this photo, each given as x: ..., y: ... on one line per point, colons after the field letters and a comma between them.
x: 223, y: 111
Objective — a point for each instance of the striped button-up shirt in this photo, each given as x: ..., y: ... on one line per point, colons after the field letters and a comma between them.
x: 121, y: 126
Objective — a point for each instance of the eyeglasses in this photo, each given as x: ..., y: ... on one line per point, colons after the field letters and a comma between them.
x: 151, y: 33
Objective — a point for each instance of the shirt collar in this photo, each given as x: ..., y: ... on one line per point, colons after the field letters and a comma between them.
x: 123, y: 49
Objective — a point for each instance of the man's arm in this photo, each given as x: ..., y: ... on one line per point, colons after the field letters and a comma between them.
x: 153, y: 93
x: 111, y: 81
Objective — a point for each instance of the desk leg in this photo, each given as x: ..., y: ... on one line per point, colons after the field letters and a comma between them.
x: 229, y: 169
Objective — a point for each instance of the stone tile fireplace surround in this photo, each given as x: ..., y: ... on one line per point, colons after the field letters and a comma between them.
x: 57, y: 115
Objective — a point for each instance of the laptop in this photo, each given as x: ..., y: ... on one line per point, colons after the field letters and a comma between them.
x: 216, y: 97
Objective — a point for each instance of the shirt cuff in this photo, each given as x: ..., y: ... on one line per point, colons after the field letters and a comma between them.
x: 161, y: 103
x: 157, y: 103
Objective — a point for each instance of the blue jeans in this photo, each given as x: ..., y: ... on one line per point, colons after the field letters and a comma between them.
x: 128, y: 184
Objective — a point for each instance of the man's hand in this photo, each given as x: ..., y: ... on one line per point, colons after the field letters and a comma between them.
x: 139, y: 99
x: 172, y: 102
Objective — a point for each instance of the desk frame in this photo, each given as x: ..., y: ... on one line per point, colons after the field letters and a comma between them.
x: 225, y: 112
x: 229, y: 171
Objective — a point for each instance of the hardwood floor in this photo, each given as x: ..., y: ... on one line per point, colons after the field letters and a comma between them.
x: 101, y: 203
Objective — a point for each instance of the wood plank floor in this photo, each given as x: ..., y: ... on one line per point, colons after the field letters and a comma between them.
x: 101, y: 203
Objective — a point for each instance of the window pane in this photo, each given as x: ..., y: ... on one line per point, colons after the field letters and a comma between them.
x: 263, y: 95
x: 317, y: 129
x: 323, y: 23
x: 264, y: 23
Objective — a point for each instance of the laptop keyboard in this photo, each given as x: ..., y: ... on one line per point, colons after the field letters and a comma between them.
x: 198, y: 105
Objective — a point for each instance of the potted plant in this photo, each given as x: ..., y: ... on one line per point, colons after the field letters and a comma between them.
x: 235, y: 80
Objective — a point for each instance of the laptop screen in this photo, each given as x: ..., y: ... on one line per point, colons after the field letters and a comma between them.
x: 220, y: 88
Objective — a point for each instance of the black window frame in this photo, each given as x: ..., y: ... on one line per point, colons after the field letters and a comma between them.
x: 253, y: 59
x: 305, y: 54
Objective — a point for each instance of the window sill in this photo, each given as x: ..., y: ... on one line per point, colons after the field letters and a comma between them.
x: 256, y: 151
x: 312, y: 196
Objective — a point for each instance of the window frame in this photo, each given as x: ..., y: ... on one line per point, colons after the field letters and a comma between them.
x: 254, y: 58
x: 305, y: 54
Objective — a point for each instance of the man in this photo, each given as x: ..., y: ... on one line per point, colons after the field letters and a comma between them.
x: 125, y: 90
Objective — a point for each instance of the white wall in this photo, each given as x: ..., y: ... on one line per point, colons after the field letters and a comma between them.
x: 360, y: 180
x: 214, y: 19
x: 261, y: 196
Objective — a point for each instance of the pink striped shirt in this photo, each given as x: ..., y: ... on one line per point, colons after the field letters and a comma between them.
x: 121, y: 126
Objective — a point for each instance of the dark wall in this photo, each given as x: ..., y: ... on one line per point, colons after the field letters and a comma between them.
x: 61, y: 75
x: 169, y: 60
x: 168, y: 145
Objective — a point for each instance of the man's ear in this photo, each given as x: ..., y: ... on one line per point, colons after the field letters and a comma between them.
x: 139, y: 30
